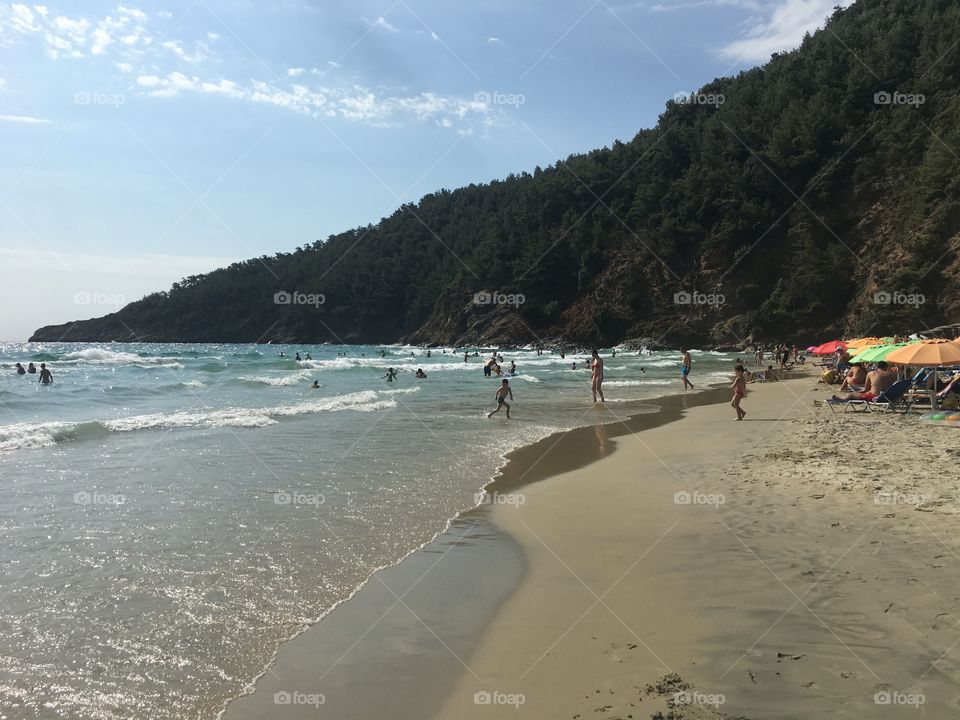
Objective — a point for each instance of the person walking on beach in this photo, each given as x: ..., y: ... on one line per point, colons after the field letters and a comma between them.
x: 503, y: 392
x: 45, y: 376
x: 739, y: 390
x: 596, y: 376
x: 685, y: 369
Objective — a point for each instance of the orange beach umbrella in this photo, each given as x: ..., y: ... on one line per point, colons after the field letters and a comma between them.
x: 927, y: 354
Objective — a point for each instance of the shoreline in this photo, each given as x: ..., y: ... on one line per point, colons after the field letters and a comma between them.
x: 525, y: 465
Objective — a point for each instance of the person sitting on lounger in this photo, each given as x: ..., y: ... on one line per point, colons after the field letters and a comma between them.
x: 876, y: 383
x: 854, y: 378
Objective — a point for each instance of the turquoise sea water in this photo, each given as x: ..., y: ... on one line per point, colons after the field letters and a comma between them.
x: 171, y: 513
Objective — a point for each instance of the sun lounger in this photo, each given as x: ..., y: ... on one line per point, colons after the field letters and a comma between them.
x: 887, y: 401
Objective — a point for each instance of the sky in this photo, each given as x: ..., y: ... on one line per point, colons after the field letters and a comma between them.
x: 149, y: 141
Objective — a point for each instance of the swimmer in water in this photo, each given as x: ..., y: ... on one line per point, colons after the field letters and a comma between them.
x: 45, y: 376
x: 421, y: 374
x: 21, y: 370
x: 298, y: 358
x: 32, y: 369
x: 390, y: 376
x: 316, y: 385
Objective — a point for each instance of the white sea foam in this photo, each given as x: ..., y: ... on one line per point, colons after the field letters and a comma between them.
x: 295, y: 378
x: 21, y: 436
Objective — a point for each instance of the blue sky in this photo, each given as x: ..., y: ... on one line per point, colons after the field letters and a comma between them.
x: 147, y: 141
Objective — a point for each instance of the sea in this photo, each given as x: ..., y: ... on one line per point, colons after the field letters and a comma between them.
x: 171, y: 513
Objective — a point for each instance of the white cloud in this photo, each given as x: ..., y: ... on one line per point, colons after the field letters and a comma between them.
x: 41, y: 10
x: 200, y: 51
x: 165, y: 14
x: 25, y: 119
x: 22, y: 19
x: 294, y: 72
x: 494, y: 40
x: 355, y: 103
x: 382, y: 23
x: 754, y: 5
x: 3, y: 83
x: 124, y: 67
x: 789, y: 21
x: 212, y: 36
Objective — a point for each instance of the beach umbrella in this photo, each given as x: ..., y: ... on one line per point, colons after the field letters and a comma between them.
x: 875, y: 353
x: 828, y: 348
x: 860, y: 343
x: 926, y: 354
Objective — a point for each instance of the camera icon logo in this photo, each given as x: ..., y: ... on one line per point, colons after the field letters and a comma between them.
x: 682, y: 498
x: 882, y: 298
x: 282, y: 697
x: 682, y: 298
x: 482, y: 698
x: 282, y: 298
x: 282, y: 498
x: 882, y: 98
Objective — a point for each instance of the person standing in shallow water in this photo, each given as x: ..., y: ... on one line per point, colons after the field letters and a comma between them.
x: 45, y: 375
x: 685, y: 369
x: 596, y: 376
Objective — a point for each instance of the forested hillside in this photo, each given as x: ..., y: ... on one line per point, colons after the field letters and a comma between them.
x: 813, y: 196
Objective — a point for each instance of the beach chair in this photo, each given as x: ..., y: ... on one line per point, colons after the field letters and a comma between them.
x: 887, y: 401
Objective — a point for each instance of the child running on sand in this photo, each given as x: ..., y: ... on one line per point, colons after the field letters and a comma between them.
x: 502, y: 392
x: 739, y: 390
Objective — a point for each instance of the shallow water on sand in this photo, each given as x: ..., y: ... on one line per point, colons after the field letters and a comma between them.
x: 171, y: 513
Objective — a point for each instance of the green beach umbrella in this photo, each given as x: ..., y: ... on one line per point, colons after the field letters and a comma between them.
x: 875, y: 353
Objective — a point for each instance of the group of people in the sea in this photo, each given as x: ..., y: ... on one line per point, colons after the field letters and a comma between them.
x: 46, y: 377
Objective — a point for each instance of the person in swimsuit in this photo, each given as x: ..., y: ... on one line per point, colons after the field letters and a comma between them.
x: 316, y: 385
x: 596, y: 382
x: 877, y: 382
x: 390, y: 376
x: 45, y: 376
x: 685, y: 369
x: 32, y: 369
x: 21, y: 370
x: 739, y: 390
x: 502, y: 393
x: 421, y: 374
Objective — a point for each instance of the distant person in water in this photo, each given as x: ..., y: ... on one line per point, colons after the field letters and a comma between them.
x: 501, y: 395
x: 428, y: 353
x: 45, y: 376
x: 685, y: 369
x: 573, y: 366
x: 465, y: 356
x: 562, y: 355
x: 421, y: 374
x: 32, y: 369
x: 21, y: 370
x: 390, y: 376
x: 513, y: 367
x: 316, y: 385
x: 298, y: 358
x: 308, y: 357
x: 596, y: 377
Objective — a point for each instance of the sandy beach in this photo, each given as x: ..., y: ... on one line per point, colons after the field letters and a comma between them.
x: 795, y: 564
